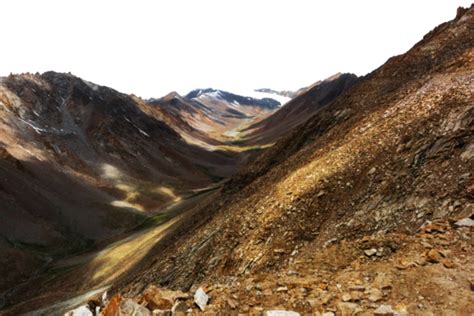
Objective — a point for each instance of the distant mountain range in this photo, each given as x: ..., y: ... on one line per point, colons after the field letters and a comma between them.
x: 266, y: 103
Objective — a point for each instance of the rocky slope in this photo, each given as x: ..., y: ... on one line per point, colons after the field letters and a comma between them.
x: 297, y: 111
x: 365, y: 208
x: 80, y: 163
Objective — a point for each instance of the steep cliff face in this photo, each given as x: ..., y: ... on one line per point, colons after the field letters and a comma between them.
x: 359, y: 200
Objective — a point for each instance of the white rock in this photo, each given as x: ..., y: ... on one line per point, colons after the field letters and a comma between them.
x: 467, y: 222
x: 80, y: 311
x: 281, y: 313
x: 201, y: 298
x: 370, y: 252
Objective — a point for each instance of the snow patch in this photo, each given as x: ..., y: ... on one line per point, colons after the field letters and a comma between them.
x: 215, y: 94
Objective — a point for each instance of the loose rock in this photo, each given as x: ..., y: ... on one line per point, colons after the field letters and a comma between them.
x: 129, y: 308
x: 201, y: 298
x: 370, y: 252
x: 465, y: 222
x: 433, y: 256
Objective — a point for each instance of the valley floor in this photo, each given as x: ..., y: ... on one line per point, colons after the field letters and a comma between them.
x: 92, y: 273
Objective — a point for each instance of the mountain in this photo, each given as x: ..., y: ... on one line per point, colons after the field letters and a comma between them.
x: 366, y: 207
x: 214, y: 118
x: 80, y: 163
x: 200, y: 94
x: 362, y: 204
x: 297, y: 111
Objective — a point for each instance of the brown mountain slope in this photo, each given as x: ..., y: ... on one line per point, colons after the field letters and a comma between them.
x: 333, y: 226
x: 297, y: 111
x: 80, y: 163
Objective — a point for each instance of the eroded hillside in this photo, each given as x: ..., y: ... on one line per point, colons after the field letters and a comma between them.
x: 82, y: 163
x: 367, y: 207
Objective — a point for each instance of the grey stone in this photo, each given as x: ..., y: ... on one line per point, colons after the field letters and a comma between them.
x: 201, y: 298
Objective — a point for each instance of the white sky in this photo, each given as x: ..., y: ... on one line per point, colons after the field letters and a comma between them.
x: 153, y: 47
